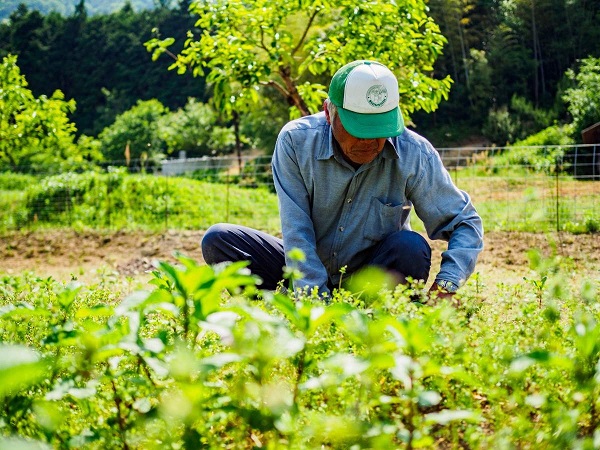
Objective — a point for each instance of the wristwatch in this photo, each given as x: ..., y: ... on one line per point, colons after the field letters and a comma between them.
x: 448, y: 286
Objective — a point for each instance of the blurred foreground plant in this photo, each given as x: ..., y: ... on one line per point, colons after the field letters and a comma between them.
x: 198, y: 362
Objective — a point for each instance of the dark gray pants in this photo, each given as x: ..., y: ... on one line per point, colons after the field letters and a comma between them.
x: 404, y: 252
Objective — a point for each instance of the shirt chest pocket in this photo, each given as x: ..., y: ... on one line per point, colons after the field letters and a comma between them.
x: 384, y: 219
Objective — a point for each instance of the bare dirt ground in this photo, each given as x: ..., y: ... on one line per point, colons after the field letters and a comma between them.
x: 85, y: 255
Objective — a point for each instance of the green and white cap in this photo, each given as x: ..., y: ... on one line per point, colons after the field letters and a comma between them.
x: 367, y: 98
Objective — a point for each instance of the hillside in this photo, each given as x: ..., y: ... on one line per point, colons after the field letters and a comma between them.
x: 67, y: 7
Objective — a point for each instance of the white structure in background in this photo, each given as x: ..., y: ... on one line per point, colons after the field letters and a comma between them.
x: 183, y: 165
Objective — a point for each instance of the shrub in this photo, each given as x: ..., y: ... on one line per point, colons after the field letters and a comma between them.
x: 121, y: 200
x: 16, y: 181
x: 508, y: 125
x: 541, y: 151
x: 135, y: 131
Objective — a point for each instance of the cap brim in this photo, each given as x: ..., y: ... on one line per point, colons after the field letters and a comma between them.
x: 371, y: 126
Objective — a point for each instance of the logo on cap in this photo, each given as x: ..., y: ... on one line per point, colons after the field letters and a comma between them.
x: 377, y: 95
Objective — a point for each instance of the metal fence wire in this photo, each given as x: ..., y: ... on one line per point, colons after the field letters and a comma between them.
x: 542, y: 188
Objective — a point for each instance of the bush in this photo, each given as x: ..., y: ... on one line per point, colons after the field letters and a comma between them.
x: 541, y: 151
x: 507, y: 125
x: 583, y: 99
x: 16, y: 181
x: 135, y: 131
x: 121, y: 200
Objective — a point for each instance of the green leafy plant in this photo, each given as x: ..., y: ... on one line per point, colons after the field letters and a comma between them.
x: 197, y: 361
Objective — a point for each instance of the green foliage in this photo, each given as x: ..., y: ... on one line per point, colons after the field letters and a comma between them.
x: 119, y: 200
x: 291, y: 46
x: 552, y: 135
x: 67, y: 8
x: 194, y: 363
x: 99, y: 60
x: 540, y: 152
x: 508, y: 125
x: 480, y: 82
x: 583, y: 99
x: 500, y: 127
x: 195, y: 129
x: 36, y: 133
x: 528, y: 45
x: 136, y: 129
x: 16, y: 181
x: 589, y: 224
x: 492, y: 53
x: 509, y: 198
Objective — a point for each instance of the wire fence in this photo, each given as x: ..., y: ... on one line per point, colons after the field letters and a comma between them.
x: 542, y: 188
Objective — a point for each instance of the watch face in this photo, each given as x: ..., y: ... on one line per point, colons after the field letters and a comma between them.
x: 448, y: 285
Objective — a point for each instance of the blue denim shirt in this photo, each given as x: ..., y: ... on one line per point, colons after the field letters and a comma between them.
x: 333, y: 212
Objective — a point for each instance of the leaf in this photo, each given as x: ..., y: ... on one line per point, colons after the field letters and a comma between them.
x: 287, y: 306
x: 222, y: 324
x: 20, y: 368
x: 24, y: 312
x: 158, y: 367
x: 132, y: 302
x: 14, y: 443
x: 429, y: 398
x: 336, y: 369
x: 446, y: 416
x: 217, y: 361
x: 329, y: 314
x: 95, y: 311
x: 153, y: 345
x: 523, y: 362
x: 67, y: 296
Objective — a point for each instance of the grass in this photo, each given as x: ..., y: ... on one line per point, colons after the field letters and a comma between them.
x: 146, y: 202
x: 520, y: 201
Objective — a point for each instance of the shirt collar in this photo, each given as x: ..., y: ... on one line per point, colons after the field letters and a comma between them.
x: 326, y: 151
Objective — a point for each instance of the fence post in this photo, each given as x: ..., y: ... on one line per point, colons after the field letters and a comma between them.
x: 68, y: 200
x: 227, y: 197
x: 557, y: 196
x: 166, y: 197
x: 108, y: 221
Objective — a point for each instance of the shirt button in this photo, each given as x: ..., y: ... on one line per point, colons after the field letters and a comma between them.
x: 349, y: 200
x: 341, y: 228
x: 334, y: 253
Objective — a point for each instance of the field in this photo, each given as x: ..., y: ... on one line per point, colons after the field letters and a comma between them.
x: 65, y: 254
x: 110, y: 340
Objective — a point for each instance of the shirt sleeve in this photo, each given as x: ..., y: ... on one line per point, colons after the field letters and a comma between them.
x: 449, y: 215
x: 295, y: 211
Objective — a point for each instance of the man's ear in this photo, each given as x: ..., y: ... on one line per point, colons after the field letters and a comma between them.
x: 325, y: 102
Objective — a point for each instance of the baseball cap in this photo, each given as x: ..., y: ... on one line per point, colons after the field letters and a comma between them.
x: 366, y: 95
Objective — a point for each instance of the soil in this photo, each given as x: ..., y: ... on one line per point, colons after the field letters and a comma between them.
x: 65, y: 254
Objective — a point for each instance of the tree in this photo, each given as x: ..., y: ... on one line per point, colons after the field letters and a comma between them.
x: 291, y: 46
x: 36, y: 133
x: 583, y: 99
x: 134, y: 134
x: 195, y: 129
x: 99, y: 60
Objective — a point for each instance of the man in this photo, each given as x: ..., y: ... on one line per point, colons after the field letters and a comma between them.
x: 346, y: 180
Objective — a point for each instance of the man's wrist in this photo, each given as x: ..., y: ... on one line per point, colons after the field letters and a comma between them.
x: 447, y: 286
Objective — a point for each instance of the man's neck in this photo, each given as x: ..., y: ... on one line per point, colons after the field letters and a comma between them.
x: 356, y: 166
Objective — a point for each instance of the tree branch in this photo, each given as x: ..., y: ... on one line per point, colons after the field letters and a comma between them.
x: 308, y: 25
x: 277, y: 86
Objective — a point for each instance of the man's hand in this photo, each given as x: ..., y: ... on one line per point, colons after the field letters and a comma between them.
x: 440, y: 293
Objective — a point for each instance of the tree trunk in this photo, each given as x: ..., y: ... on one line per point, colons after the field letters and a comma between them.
x: 293, y: 96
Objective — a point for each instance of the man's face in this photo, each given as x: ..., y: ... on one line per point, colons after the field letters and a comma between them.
x: 357, y: 151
